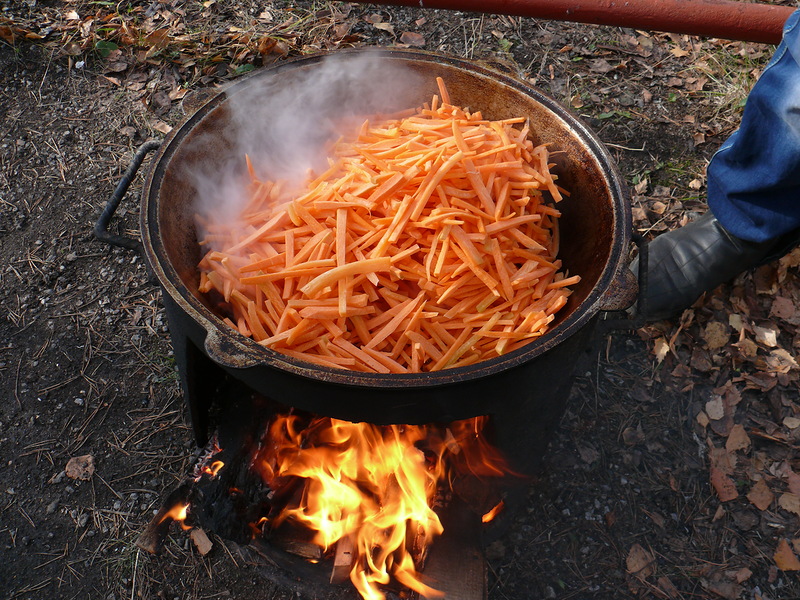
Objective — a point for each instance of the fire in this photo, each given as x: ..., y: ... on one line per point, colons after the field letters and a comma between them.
x: 372, y: 486
x: 178, y: 513
x: 213, y: 468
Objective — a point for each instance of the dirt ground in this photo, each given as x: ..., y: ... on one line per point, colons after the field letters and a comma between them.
x: 674, y: 473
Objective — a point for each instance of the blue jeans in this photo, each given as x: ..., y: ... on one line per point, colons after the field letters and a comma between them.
x: 754, y: 178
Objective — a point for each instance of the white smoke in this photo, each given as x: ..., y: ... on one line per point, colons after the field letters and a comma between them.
x: 284, y: 120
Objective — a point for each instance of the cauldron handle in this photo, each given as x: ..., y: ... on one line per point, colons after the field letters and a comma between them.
x: 609, y: 323
x: 101, y: 227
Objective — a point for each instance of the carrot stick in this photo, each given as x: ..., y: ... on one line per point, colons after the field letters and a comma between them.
x: 425, y: 243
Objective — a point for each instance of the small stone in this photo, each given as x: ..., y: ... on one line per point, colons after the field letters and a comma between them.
x: 83, y: 520
x: 51, y: 508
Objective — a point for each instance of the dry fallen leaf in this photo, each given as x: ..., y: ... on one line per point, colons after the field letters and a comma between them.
x: 760, y: 495
x: 791, y: 422
x: 766, y: 336
x: 640, y: 562
x: 412, y: 39
x: 715, y: 408
x: 723, y: 485
x: 716, y: 335
x: 790, y: 503
x: 201, y: 541
x: 80, y: 467
x: 784, y: 558
x: 661, y: 349
x: 793, y: 479
x: 738, y: 439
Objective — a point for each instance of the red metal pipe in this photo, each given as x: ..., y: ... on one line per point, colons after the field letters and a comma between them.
x: 726, y: 19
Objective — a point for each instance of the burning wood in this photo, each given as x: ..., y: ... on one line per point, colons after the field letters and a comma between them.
x: 360, y: 497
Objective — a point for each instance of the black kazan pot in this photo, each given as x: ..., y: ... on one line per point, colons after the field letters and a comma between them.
x: 524, y: 391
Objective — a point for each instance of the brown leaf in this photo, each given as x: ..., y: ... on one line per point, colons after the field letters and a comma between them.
x: 640, y: 563
x: 158, y: 39
x: 743, y: 575
x: 412, y: 39
x: 716, y: 335
x: 723, y: 485
x: 633, y: 436
x: 80, y: 467
x: 790, y: 503
x: 201, y: 541
x: 700, y: 360
x: 760, y: 495
x: 793, y: 479
x: 679, y: 52
x: 738, y: 439
x: 725, y: 589
x: 715, y: 408
x: 780, y: 361
x: 782, y: 308
x: 666, y: 586
x: 766, y: 336
x: 600, y: 65
x: 784, y: 558
x: 660, y: 349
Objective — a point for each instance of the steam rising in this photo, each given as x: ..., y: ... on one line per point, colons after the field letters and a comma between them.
x: 284, y: 121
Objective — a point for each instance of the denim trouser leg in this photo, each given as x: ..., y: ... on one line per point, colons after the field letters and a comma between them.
x: 754, y: 178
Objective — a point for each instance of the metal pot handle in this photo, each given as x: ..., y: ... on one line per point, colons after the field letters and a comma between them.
x: 611, y: 323
x: 101, y: 227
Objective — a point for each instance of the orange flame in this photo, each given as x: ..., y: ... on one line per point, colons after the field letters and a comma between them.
x: 214, y: 468
x: 373, y: 484
x: 178, y: 513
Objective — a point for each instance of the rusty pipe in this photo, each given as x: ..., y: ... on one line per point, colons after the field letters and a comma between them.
x: 725, y: 19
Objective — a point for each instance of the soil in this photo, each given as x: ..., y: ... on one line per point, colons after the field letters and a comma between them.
x: 624, y: 506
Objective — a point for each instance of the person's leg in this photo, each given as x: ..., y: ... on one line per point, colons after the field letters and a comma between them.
x: 753, y: 194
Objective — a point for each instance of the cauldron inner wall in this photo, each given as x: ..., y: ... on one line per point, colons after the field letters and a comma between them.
x: 587, y: 224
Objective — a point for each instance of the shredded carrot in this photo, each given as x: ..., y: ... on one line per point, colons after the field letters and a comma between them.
x: 429, y: 242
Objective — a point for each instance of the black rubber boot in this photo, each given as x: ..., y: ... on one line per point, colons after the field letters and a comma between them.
x: 686, y: 262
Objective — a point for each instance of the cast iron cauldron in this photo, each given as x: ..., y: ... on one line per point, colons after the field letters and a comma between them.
x: 527, y: 385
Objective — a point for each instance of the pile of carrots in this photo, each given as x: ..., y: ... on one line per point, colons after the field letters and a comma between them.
x: 427, y: 244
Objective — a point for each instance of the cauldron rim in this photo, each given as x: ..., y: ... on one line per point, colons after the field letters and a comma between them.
x: 232, y: 350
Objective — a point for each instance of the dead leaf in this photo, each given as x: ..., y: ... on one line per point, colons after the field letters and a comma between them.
x: 412, y: 39
x: 784, y: 558
x: 715, y: 408
x: 780, y: 361
x: 760, y: 495
x: 161, y: 126
x: 743, y: 575
x: 723, y: 485
x: 640, y: 563
x: 702, y: 419
x: 793, y: 479
x: 782, y: 308
x: 791, y: 422
x: 661, y: 349
x: 695, y: 184
x: 716, y: 335
x: 700, y: 360
x: 80, y: 467
x: 679, y: 52
x: 666, y: 586
x: 600, y: 65
x: 738, y: 439
x: 388, y: 27
x: 766, y: 336
x: 158, y: 39
x: 725, y: 589
x: 632, y: 436
x: 201, y: 541
x: 790, y: 503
